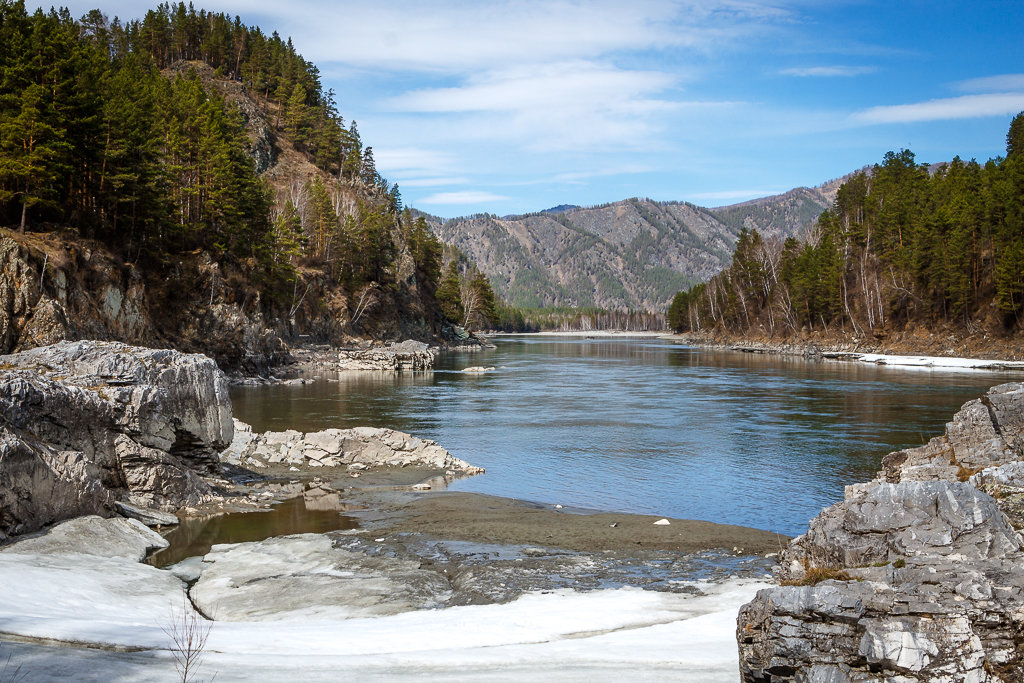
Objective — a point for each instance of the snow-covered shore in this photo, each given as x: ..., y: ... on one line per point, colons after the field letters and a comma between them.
x: 937, y: 362
x: 101, y: 604
x: 842, y: 354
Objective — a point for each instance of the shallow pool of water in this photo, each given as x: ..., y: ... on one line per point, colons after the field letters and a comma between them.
x: 293, y: 516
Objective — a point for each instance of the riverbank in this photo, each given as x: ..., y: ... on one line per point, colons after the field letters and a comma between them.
x: 586, y: 334
x: 416, y: 589
x: 901, y: 355
x: 948, y: 343
x: 417, y: 581
x: 916, y: 574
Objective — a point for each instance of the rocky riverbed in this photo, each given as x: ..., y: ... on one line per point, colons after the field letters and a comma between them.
x: 916, y: 575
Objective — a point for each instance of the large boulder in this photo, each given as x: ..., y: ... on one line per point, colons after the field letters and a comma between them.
x: 92, y: 535
x: 915, y: 576
x: 83, y: 424
x: 883, y: 523
x: 407, y: 355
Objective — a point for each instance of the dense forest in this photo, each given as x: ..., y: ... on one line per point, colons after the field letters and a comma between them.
x: 96, y: 136
x: 568, y: 319
x: 123, y: 133
x: 901, y: 246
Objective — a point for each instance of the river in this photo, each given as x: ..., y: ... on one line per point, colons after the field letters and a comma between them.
x: 643, y: 425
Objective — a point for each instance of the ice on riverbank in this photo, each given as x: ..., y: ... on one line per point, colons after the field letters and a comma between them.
x: 937, y: 362
x: 561, y: 634
x: 941, y: 362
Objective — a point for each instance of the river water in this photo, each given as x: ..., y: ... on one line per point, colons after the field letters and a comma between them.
x: 643, y: 425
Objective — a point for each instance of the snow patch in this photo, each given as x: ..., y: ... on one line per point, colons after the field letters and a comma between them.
x: 597, y: 635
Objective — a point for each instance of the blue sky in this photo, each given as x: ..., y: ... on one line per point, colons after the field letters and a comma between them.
x: 516, y: 106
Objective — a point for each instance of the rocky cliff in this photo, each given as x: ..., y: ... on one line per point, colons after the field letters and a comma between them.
x: 916, y: 575
x: 54, y: 288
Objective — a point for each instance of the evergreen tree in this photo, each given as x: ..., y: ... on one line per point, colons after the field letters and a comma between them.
x: 449, y: 296
x: 33, y: 154
x: 1015, y: 136
x: 678, y: 312
x: 321, y: 221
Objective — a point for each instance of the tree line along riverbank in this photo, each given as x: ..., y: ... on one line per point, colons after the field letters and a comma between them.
x: 911, y: 257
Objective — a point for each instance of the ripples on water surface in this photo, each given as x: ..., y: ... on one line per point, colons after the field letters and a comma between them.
x: 644, y: 425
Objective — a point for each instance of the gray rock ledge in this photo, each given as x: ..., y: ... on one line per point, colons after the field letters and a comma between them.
x: 917, y: 575
x: 358, y: 448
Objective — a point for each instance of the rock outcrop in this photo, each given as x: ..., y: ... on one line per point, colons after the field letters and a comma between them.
x: 915, y: 576
x: 357, y: 448
x: 84, y: 424
x: 407, y: 355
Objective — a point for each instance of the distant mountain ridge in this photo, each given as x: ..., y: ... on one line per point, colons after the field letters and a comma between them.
x: 631, y: 254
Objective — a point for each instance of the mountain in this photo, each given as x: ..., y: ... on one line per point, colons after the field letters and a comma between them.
x: 784, y: 214
x: 631, y: 254
x: 561, y: 208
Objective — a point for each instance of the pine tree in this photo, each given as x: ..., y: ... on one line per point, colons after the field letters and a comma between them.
x: 33, y: 154
x: 321, y: 222
x: 448, y: 296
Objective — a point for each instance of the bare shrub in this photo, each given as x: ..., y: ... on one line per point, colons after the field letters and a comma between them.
x: 188, y: 631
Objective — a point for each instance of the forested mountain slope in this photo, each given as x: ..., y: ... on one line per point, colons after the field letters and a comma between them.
x: 632, y: 254
x: 786, y: 214
x: 936, y: 252
x: 185, y: 180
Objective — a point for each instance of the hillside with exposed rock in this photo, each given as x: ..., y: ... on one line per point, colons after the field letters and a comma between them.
x: 631, y: 254
x: 168, y: 191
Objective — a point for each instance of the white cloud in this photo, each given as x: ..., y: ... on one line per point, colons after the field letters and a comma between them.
x: 433, y: 182
x: 1003, y: 83
x: 828, y: 71
x: 581, y: 106
x: 466, y: 35
x: 578, y: 177
x: 965, y: 107
x: 414, y: 161
x: 579, y: 84
x: 464, y: 197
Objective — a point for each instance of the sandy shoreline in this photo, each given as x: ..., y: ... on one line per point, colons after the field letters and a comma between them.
x: 490, y: 519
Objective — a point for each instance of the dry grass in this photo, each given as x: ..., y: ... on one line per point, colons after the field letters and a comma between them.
x: 8, y: 672
x: 965, y: 473
x: 815, y: 575
x: 99, y: 390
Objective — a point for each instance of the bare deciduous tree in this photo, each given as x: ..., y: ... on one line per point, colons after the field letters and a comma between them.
x: 188, y: 631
